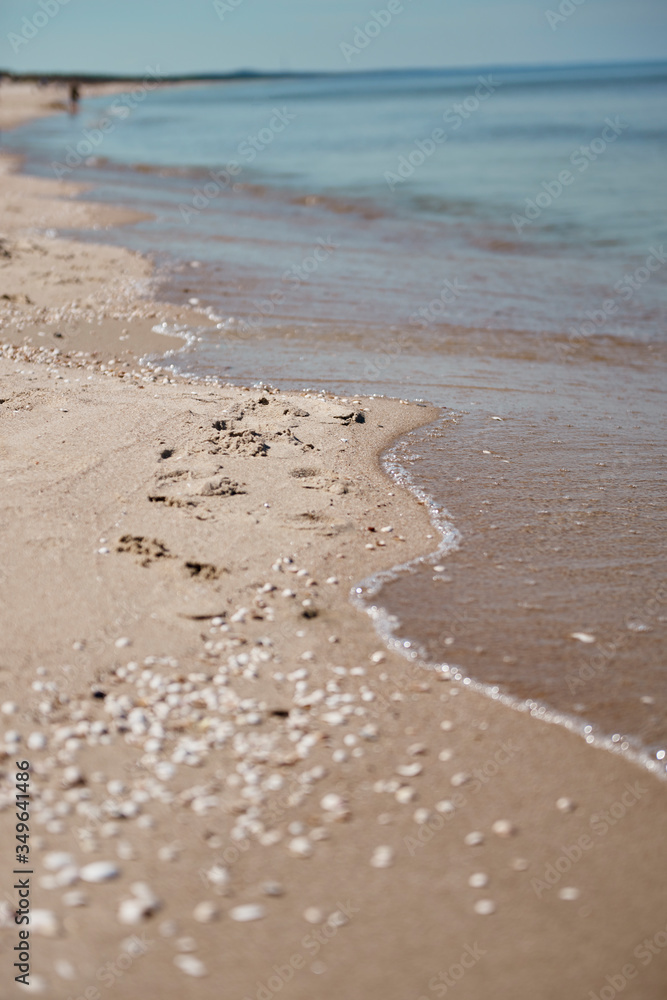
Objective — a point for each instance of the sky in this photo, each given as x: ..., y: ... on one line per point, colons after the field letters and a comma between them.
x: 189, y: 36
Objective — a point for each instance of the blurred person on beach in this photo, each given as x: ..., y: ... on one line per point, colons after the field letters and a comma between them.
x: 74, y: 97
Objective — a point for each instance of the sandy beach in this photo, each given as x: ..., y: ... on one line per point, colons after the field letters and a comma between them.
x: 235, y: 790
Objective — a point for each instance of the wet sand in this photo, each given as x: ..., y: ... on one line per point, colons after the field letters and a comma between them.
x: 204, y: 709
x: 556, y: 592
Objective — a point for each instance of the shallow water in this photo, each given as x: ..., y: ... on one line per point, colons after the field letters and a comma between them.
x: 545, y: 346
x: 562, y: 523
x: 315, y: 159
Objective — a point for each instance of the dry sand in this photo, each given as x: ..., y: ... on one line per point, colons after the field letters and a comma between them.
x: 21, y: 102
x: 201, y: 704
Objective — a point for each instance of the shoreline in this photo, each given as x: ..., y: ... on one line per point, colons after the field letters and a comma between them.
x: 386, y: 629
x: 28, y: 101
x: 134, y: 521
x: 143, y: 314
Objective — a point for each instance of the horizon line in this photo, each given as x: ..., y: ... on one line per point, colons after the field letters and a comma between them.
x: 245, y: 73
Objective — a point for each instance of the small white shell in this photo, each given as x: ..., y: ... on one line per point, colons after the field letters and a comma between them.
x: 99, y: 871
x: 44, y: 922
x: 273, y: 889
x: 301, y: 847
x: 71, y: 776
x: 332, y: 802
x: 64, y: 969
x: 409, y: 770
x: 133, y: 911
x: 333, y: 718
x: 383, y: 857
x: 461, y: 778
x: 218, y: 876
x: 190, y: 965
x: 504, y: 828
x: 247, y: 912
x: 474, y: 839
x: 484, y: 907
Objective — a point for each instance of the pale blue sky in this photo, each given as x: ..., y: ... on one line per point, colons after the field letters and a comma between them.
x: 126, y: 36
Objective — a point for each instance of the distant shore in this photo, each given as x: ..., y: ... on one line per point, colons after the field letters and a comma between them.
x: 22, y: 99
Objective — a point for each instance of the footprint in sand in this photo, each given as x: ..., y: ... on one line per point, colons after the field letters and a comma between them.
x: 147, y: 550
x: 150, y: 550
x: 315, y: 479
x: 276, y: 420
x: 190, y: 487
x: 246, y: 443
